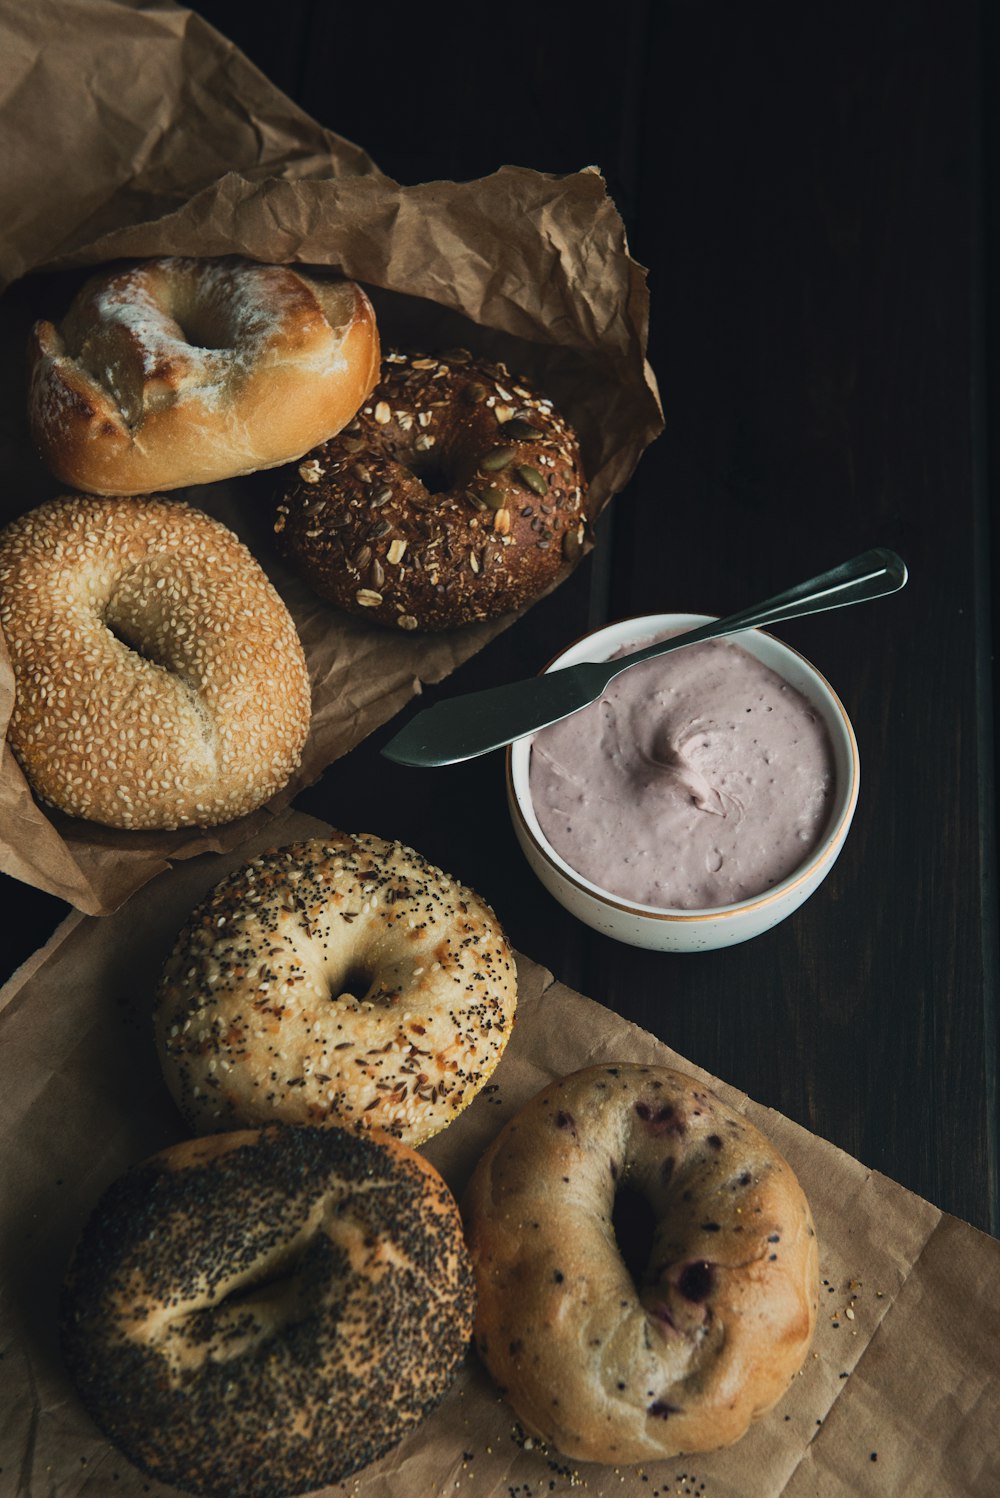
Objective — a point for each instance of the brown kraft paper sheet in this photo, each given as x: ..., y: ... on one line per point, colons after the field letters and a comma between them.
x: 900, y: 1393
x: 139, y: 132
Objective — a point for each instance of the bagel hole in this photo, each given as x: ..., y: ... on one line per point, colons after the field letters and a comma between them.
x: 279, y: 1280
x: 431, y: 472
x: 355, y: 982
x: 136, y: 646
x: 202, y: 325
x: 634, y: 1223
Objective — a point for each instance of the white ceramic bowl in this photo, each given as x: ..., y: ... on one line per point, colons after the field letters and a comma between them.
x: 665, y: 930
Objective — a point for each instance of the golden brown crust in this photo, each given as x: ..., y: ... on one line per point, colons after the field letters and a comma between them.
x: 342, y: 980
x: 180, y: 371
x: 159, y: 679
x: 265, y: 1313
x: 456, y: 494
x: 719, y: 1318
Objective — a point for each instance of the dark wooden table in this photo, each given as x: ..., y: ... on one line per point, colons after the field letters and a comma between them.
x: 807, y: 191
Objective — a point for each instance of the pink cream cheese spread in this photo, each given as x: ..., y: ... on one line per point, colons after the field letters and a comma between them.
x: 699, y: 779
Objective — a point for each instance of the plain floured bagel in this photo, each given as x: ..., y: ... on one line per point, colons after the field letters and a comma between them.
x: 674, y: 1335
x: 263, y: 1313
x: 181, y: 371
x: 159, y: 679
x: 341, y: 980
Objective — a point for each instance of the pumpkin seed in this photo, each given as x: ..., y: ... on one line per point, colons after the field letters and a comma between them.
x: 497, y: 458
x: 572, y: 544
x: 531, y: 479
x: 523, y: 430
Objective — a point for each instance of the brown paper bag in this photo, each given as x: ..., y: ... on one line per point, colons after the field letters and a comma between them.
x: 135, y: 133
x: 899, y: 1395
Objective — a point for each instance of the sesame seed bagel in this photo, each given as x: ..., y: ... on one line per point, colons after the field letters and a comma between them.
x: 455, y: 494
x: 159, y: 680
x: 341, y: 980
x: 646, y: 1266
x: 263, y: 1313
x: 182, y: 371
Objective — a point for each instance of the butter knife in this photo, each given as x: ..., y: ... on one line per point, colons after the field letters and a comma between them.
x: 463, y: 727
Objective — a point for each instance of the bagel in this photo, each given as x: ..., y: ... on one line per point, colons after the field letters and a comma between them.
x: 340, y: 980
x: 159, y: 680
x: 456, y: 494
x: 264, y: 1313
x: 618, y: 1346
x: 180, y: 371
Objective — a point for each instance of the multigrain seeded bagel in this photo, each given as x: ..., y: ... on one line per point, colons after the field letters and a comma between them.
x: 159, y: 680
x: 456, y: 494
x: 263, y: 1313
x: 180, y: 371
x: 646, y: 1266
x: 341, y: 980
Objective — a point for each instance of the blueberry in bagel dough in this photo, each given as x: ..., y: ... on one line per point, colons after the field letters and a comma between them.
x: 455, y: 494
x: 260, y: 1314
x: 646, y: 1266
x: 341, y: 980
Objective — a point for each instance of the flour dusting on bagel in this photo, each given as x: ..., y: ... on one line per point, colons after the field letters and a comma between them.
x: 179, y: 371
x: 340, y: 980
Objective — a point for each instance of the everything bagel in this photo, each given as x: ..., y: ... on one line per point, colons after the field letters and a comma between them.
x: 342, y: 980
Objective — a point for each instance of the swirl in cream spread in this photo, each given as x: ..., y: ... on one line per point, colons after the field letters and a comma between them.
x: 699, y: 779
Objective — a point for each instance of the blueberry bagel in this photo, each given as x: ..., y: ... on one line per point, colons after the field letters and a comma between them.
x: 646, y: 1266
x: 265, y: 1313
x: 343, y: 980
x: 455, y: 494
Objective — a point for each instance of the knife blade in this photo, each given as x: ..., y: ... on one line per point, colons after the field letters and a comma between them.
x: 464, y: 727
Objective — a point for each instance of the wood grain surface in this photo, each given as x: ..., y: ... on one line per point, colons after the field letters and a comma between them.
x: 805, y: 186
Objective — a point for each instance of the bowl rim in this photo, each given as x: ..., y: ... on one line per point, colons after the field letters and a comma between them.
x: 826, y: 851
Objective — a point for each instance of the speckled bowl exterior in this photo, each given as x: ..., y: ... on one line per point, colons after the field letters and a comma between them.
x: 660, y: 929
